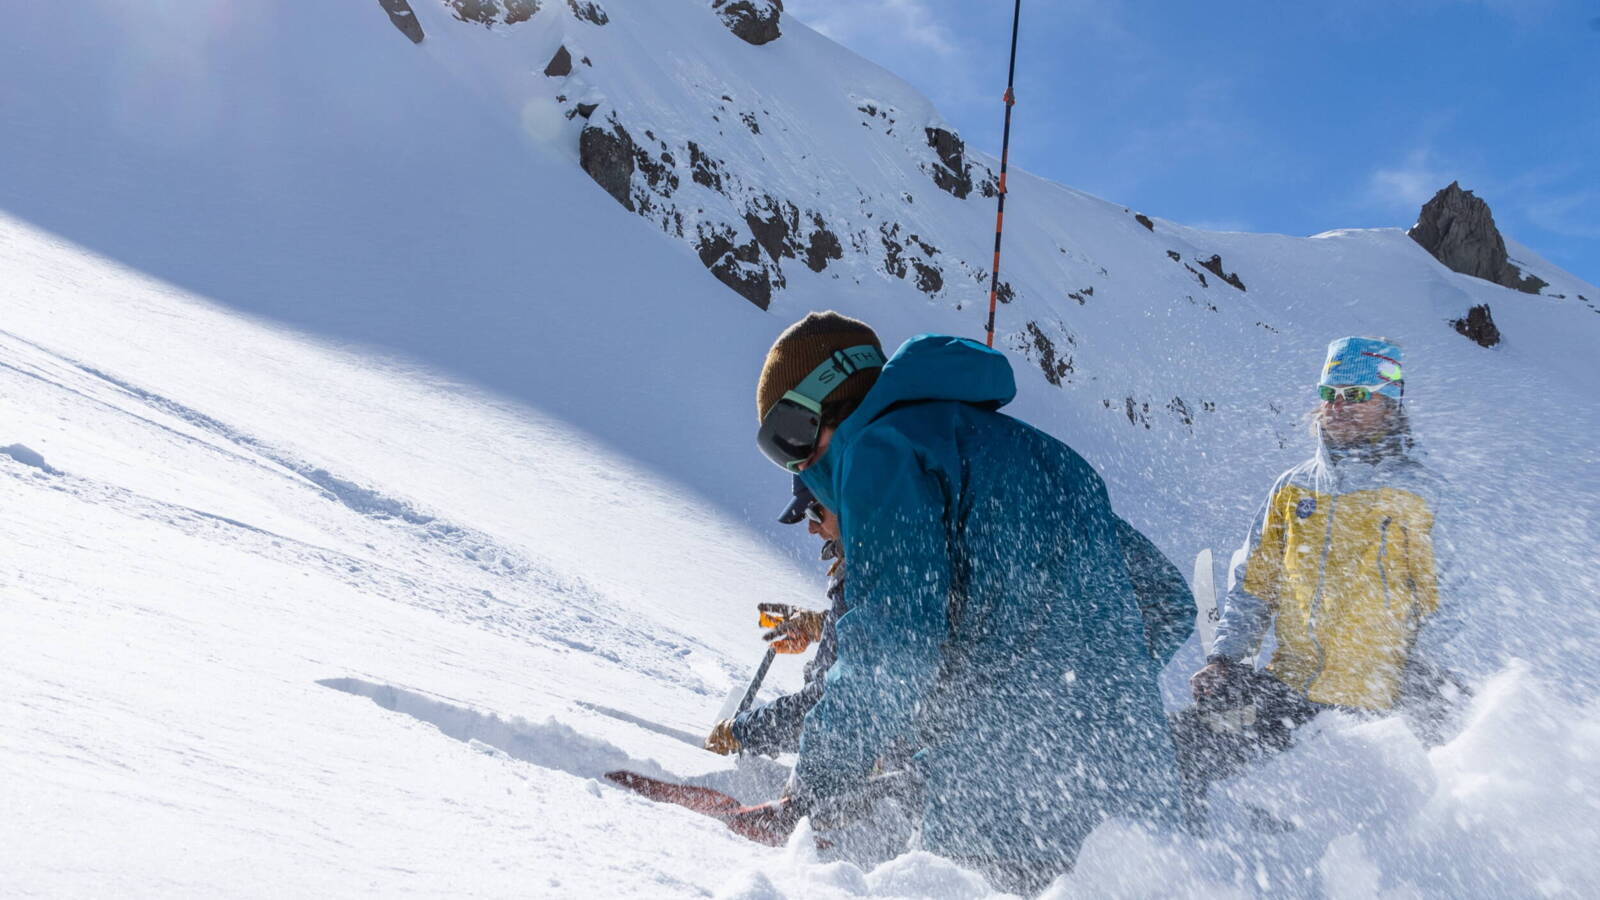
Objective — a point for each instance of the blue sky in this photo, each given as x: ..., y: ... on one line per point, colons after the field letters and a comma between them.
x: 1274, y: 116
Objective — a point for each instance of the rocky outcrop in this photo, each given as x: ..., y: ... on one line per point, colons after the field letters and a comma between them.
x: 560, y: 64
x: 1479, y: 326
x: 588, y: 11
x: 1458, y: 229
x: 738, y: 266
x: 490, y: 13
x: 951, y: 173
x: 753, y: 21
x: 823, y: 245
x: 401, y: 15
x: 606, y: 153
x: 1214, y: 266
x: 751, y: 236
x: 1056, y: 365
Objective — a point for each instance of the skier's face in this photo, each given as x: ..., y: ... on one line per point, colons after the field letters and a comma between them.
x: 1347, y: 424
x: 827, y: 528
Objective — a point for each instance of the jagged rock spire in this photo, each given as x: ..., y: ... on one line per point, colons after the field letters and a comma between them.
x: 1458, y: 228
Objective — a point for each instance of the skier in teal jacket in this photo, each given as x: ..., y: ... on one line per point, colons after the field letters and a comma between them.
x: 993, y: 620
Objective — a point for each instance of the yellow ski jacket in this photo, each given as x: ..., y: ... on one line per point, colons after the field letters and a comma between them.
x: 1345, y: 559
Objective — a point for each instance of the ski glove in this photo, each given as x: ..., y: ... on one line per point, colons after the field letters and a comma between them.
x: 1223, y: 681
x: 793, y: 629
x: 721, y: 739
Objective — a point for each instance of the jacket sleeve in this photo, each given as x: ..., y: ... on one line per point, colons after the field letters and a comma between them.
x: 774, y: 727
x: 889, y: 643
x: 1164, y: 597
x: 1253, y: 595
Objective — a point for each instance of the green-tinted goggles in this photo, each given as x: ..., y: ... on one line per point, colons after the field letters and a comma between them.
x: 1348, y: 393
x: 790, y: 428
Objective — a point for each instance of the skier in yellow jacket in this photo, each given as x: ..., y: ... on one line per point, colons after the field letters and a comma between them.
x: 1344, y: 563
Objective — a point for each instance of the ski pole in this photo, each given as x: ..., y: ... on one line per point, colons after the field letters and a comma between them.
x: 1005, y: 152
x: 755, y: 681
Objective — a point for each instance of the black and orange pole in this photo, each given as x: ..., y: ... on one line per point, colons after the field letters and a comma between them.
x: 1005, y: 152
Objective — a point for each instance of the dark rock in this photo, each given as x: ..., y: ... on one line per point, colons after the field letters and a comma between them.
x: 1138, y: 413
x: 824, y: 245
x: 488, y: 12
x: 893, y: 251
x: 1181, y: 409
x: 736, y: 265
x: 1214, y: 264
x: 929, y: 279
x: 560, y: 65
x: 752, y: 21
x: 1174, y: 255
x: 520, y: 10
x: 703, y: 169
x: 588, y: 11
x: 951, y: 173
x: 1530, y: 283
x: 750, y: 122
x: 1144, y: 220
x: 1055, y: 367
x: 1196, y: 273
x: 1479, y: 326
x: 607, y: 154
x: 773, y: 223
x: 659, y: 171
x: 587, y: 109
x: 482, y: 12
x: 401, y: 15
x: 1005, y: 294
x: 1458, y: 229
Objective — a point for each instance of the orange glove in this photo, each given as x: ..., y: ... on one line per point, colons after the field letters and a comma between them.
x: 793, y: 629
x: 721, y: 739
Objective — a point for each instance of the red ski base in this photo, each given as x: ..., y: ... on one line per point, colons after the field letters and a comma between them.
x: 768, y: 823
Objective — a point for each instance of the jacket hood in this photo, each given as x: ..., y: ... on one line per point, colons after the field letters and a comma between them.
x: 938, y: 367
x: 927, y: 367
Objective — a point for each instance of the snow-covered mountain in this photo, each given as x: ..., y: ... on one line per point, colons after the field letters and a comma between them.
x: 423, y: 371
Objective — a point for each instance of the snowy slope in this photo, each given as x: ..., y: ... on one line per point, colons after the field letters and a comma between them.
x: 347, y: 379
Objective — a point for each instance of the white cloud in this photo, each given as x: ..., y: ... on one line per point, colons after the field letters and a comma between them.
x: 1408, y: 184
x: 1569, y: 215
x: 912, y: 22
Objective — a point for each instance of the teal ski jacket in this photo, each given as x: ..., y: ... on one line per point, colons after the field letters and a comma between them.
x: 993, y: 623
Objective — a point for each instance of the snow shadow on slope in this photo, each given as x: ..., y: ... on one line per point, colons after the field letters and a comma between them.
x: 29, y: 457
x: 549, y: 744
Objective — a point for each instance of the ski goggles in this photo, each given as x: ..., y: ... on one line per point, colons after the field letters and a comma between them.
x: 814, y: 513
x: 1348, y: 393
x: 790, y: 428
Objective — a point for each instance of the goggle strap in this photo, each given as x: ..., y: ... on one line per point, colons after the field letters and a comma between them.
x: 833, y: 371
x: 804, y: 401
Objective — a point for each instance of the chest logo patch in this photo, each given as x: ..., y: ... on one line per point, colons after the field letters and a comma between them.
x: 1305, y: 508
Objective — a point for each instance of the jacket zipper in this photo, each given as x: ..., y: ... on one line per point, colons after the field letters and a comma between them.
x: 1383, y: 552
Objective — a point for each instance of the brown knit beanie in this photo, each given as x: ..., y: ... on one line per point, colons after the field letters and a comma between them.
x: 805, y: 345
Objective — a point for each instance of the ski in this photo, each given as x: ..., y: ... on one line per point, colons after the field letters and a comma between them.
x: 1205, y: 601
x: 768, y: 823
